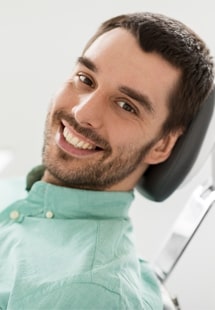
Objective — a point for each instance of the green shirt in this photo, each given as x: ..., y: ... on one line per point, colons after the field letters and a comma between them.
x: 64, y: 248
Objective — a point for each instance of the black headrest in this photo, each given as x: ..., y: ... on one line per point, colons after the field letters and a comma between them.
x: 160, y: 181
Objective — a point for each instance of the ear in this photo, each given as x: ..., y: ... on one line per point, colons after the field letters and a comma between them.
x: 162, y: 149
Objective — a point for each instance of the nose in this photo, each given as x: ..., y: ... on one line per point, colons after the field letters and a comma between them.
x: 90, y: 110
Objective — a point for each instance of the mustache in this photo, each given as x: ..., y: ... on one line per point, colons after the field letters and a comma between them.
x: 87, y: 132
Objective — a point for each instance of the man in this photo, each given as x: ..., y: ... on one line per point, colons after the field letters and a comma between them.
x: 134, y: 90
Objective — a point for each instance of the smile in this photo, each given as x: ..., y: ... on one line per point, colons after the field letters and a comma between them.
x: 72, y: 139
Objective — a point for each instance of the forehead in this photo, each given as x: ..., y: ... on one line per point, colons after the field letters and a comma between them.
x: 120, y: 60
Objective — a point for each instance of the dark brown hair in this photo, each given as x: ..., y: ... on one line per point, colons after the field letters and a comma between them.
x: 181, y: 47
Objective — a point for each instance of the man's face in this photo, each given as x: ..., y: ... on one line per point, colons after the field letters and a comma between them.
x: 104, y: 126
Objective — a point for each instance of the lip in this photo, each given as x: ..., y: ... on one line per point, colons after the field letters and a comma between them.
x: 69, y: 148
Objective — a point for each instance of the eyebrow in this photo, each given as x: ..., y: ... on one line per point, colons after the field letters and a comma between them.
x: 87, y: 63
x: 141, y: 98
x: 130, y: 92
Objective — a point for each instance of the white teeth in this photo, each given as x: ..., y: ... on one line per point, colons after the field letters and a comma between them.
x: 72, y: 139
x: 80, y: 144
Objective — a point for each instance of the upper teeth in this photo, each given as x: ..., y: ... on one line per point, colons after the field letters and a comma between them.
x: 75, y: 141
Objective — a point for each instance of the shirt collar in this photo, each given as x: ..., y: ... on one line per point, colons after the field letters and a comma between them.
x: 66, y: 202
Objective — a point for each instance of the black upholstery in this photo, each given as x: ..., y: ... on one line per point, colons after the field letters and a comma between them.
x: 160, y: 181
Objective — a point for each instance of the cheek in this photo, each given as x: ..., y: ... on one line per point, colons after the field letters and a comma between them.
x: 129, y: 131
x: 64, y: 98
x: 125, y: 138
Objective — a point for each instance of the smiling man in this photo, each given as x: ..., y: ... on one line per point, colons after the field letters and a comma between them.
x: 107, y: 127
x: 132, y: 93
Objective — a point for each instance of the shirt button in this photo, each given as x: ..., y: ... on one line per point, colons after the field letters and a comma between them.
x: 49, y: 214
x: 14, y: 215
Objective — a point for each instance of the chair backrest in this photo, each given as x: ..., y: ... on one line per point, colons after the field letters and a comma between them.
x: 161, y: 180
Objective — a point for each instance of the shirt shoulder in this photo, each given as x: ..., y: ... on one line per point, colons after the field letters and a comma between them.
x: 11, y: 189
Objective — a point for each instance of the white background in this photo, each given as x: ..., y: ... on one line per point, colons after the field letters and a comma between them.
x: 40, y: 41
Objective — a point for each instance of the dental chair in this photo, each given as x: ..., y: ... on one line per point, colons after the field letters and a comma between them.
x: 160, y: 181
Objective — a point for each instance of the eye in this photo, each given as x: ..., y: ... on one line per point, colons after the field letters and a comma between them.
x: 126, y: 106
x: 85, y: 80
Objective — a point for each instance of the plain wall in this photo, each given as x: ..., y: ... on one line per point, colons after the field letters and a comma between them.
x: 40, y: 41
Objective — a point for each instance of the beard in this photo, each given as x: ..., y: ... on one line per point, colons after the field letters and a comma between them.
x: 98, y: 173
